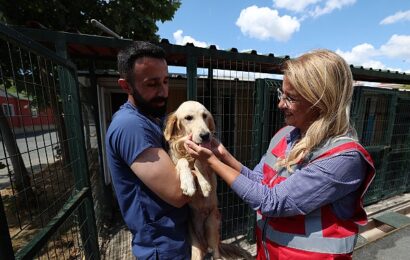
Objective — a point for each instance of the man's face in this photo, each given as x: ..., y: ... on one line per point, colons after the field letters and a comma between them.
x: 150, y: 86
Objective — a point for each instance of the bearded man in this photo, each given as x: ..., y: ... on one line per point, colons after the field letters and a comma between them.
x: 143, y: 175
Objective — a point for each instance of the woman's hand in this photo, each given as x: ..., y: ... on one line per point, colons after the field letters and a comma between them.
x: 218, y: 148
x: 197, y: 151
x: 228, y: 172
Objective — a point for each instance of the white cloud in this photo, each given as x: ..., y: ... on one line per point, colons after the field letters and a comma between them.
x: 368, y: 56
x: 398, y: 46
x: 265, y: 23
x: 397, y: 17
x: 330, y: 6
x: 360, y: 54
x: 182, y: 40
x: 313, y: 8
x: 294, y: 5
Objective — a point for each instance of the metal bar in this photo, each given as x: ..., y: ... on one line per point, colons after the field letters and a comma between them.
x: 192, y: 78
x: 6, y: 248
x: 87, y: 213
x: 257, y: 122
x: 40, y: 239
x: 392, y: 117
x: 69, y: 90
x: 29, y: 44
x: 105, y: 28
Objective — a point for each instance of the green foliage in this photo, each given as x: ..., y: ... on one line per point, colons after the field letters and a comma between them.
x: 134, y: 19
x: 406, y: 87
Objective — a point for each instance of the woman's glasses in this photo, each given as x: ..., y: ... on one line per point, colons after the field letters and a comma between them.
x: 288, y: 100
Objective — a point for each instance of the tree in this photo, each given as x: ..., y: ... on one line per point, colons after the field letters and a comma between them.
x: 7, y: 137
x: 134, y: 19
x: 128, y: 18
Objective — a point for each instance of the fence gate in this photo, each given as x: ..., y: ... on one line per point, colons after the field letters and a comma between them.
x: 46, y: 209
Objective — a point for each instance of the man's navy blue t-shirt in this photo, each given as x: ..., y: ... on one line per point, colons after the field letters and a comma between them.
x: 159, y: 230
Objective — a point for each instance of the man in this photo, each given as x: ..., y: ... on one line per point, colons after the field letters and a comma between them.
x: 143, y: 175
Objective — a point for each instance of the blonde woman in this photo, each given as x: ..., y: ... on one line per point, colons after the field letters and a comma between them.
x: 308, y: 188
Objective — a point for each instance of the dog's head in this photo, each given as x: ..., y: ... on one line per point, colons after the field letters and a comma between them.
x: 191, y: 117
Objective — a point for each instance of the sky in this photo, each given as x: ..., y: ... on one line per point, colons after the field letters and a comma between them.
x: 369, y: 33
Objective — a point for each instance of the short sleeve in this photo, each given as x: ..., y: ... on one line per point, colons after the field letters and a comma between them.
x: 130, y: 138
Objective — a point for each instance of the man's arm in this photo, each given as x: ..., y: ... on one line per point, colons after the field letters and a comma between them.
x: 156, y: 170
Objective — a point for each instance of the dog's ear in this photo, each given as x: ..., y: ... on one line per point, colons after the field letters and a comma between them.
x: 211, y: 123
x: 170, y: 124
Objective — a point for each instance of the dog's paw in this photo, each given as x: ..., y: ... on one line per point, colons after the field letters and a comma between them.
x: 187, y: 188
x: 205, y: 188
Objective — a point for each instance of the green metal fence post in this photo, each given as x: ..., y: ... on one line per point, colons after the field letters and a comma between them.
x: 268, y: 88
x: 87, y: 210
x: 6, y: 248
x: 192, y: 91
x: 391, y: 117
x: 257, y: 130
x: 69, y: 89
x: 258, y: 120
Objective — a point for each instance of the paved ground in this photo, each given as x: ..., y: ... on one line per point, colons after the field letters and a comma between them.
x: 36, y: 149
x: 119, y: 246
x: 395, y: 246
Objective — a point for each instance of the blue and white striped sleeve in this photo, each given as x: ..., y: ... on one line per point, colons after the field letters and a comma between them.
x: 319, y: 183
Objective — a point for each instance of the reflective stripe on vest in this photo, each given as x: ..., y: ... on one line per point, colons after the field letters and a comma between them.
x: 313, y: 240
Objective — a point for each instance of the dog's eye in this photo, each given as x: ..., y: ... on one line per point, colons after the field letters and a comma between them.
x: 204, y: 116
x: 189, y: 118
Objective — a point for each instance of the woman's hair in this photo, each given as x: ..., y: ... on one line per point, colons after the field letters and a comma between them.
x: 324, y: 79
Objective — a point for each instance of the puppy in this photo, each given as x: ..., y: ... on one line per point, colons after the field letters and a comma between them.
x: 198, y: 181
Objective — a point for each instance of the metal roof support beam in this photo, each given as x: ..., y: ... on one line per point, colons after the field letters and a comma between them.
x: 192, y: 78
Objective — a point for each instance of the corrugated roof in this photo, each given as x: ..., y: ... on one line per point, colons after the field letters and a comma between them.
x: 102, y: 47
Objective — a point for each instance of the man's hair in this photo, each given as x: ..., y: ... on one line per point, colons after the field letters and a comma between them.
x: 138, y: 49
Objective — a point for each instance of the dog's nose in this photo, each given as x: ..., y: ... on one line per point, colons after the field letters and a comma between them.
x: 205, y: 137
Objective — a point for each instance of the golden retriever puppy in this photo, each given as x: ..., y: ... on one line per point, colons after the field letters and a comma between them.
x: 198, y: 181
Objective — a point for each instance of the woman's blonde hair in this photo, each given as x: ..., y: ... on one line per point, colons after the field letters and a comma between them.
x: 325, y: 80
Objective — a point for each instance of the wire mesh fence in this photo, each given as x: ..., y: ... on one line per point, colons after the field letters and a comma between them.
x: 228, y: 91
x: 40, y: 148
x: 383, y: 127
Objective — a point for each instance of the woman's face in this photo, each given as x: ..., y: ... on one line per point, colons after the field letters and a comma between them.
x: 297, y: 110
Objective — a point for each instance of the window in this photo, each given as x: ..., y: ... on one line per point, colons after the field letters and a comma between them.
x: 34, y: 112
x: 8, y: 109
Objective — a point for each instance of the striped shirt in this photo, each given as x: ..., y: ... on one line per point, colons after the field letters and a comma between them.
x: 334, y: 180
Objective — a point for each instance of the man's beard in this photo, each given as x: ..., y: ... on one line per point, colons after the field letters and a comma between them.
x: 147, y: 108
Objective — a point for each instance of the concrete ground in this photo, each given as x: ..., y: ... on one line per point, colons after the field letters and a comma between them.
x: 395, y: 246
x: 378, y: 241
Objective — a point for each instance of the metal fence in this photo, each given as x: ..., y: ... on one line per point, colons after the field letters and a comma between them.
x: 383, y: 123
x: 229, y: 93
x: 46, y: 210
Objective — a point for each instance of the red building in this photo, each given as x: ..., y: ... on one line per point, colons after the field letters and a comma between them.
x: 23, y: 115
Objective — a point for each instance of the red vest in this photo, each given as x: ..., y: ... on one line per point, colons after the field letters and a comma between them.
x: 319, y: 234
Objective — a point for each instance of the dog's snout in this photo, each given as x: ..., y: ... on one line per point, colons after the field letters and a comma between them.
x: 205, y: 137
